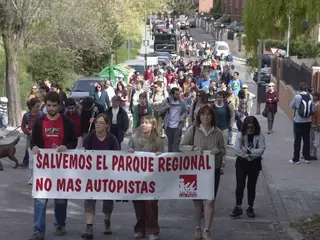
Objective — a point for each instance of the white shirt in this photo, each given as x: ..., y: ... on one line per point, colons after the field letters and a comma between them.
x: 174, y: 114
x: 99, y: 94
x: 110, y: 92
x: 115, y: 112
x: 135, y: 97
x: 205, y: 132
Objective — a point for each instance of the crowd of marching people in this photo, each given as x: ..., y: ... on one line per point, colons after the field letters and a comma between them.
x: 201, y: 98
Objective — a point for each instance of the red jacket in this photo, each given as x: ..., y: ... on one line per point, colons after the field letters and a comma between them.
x: 148, y: 76
x: 271, y: 105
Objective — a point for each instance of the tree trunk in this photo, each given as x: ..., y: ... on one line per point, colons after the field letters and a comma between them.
x: 12, y: 82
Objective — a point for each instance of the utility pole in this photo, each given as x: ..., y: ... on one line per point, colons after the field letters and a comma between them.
x: 288, y: 36
x: 129, y: 50
x: 145, y: 38
x: 259, y: 83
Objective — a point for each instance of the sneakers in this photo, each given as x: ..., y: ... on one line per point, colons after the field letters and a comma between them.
x: 250, y: 212
x: 107, y: 227
x: 36, y: 237
x: 292, y: 162
x: 88, y: 234
x: 154, y: 237
x: 30, y: 181
x: 198, y: 234
x: 305, y: 161
x: 138, y: 235
x: 206, y: 235
x: 237, y: 212
x: 60, y: 231
x: 311, y: 158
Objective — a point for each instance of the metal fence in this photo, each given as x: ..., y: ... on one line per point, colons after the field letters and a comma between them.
x: 293, y: 74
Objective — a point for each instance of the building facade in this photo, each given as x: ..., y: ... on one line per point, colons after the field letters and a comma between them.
x: 234, y: 8
x: 205, y: 5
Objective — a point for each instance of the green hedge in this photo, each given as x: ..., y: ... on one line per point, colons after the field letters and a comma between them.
x: 305, y: 49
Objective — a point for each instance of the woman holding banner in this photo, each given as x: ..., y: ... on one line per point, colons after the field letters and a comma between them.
x: 205, y: 136
x: 146, y: 139
x: 99, y: 139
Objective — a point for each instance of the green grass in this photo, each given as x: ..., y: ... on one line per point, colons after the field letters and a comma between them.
x: 309, y: 228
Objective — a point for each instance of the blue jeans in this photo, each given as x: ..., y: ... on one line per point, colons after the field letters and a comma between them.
x: 25, y: 161
x: 39, y: 220
x: 230, y: 135
x: 3, y: 123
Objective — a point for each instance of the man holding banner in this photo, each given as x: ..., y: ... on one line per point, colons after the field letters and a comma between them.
x: 52, y: 131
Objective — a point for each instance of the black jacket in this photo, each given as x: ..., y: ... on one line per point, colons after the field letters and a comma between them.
x: 122, y: 123
x: 69, y: 139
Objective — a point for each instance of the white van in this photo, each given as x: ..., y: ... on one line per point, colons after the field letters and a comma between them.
x: 221, y: 47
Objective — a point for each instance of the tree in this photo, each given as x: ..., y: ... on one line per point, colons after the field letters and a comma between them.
x: 16, y: 16
x: 266, y: 19
x: 50, y: 62
x: 182, y: 6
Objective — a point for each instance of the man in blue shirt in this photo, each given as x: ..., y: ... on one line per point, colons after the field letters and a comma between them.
x: 203, y: 84
x: 235, y: 83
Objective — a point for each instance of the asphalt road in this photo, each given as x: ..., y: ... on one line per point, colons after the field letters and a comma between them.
x: 175, y: 216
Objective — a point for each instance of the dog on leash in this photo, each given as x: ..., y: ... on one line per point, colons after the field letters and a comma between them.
x: 9, y: 150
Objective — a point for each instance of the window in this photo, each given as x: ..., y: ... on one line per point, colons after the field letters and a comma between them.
x: 223, y: 47
x: 84, y: 85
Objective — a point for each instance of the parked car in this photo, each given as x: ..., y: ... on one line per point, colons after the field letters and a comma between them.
x: 265, y: 75
x: 265, y: 62
x: 192, y: 22
x: 83, y: 87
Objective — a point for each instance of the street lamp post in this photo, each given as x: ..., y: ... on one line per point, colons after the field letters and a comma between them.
x: 260, y: 87
x: 289, y: 35
x: 145, y: 38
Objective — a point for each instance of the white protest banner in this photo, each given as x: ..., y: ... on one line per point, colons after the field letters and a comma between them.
x: 119, y: 175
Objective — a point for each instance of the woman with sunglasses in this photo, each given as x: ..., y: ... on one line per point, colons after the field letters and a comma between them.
x: 271, y: 99
x: 249, y: 147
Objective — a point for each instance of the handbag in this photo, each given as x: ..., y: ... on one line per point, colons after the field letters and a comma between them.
x: 265, y: 112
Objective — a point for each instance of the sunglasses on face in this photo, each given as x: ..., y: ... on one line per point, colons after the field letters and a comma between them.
x: 270, y: 86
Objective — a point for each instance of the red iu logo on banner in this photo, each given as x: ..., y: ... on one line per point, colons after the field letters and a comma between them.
x: 188, y: 186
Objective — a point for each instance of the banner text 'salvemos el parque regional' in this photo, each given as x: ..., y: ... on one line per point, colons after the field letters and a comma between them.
x: 120, y: 163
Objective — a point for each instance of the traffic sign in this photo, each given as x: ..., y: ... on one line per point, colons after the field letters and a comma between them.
x: 146, y: 43
x: 129, y: 44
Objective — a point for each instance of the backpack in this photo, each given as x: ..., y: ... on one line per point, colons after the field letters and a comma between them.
x: 305, y: 106
x: 164, y: 114
x: 28, y: 115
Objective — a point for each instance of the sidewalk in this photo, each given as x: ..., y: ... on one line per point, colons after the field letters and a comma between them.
x: 294, y: 190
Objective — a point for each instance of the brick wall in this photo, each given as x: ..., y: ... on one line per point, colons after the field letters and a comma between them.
x: 286, y: 92
x: 205, y: 5
x: 233, y: 7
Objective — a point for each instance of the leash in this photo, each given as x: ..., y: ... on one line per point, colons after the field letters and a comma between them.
x: 8, y: 134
